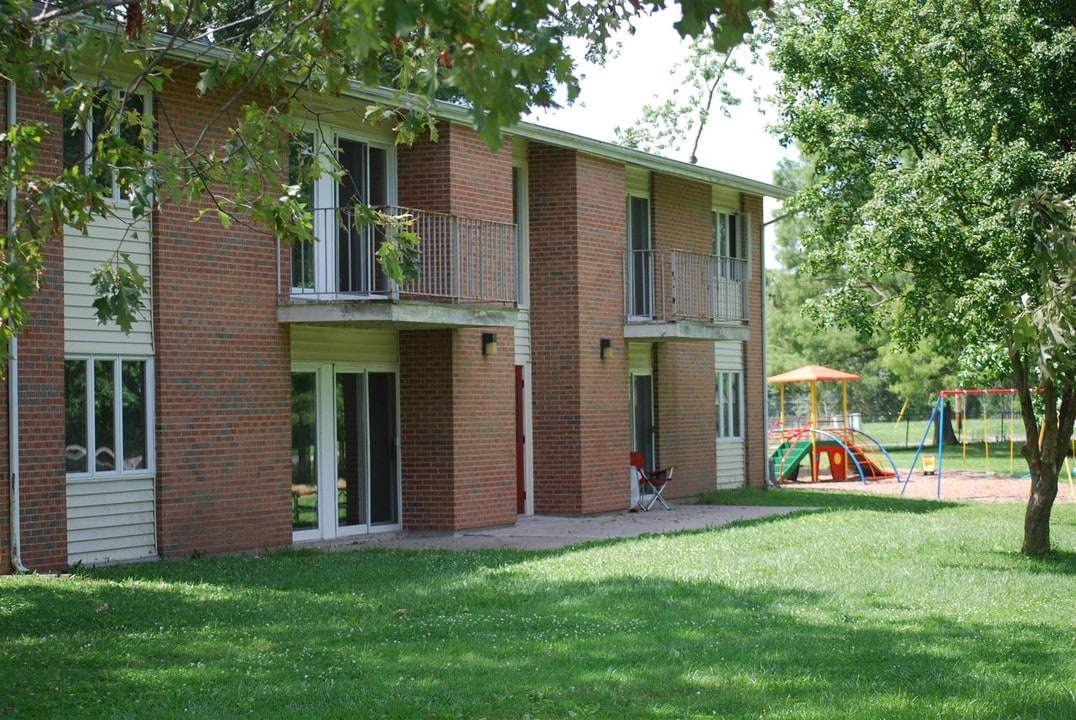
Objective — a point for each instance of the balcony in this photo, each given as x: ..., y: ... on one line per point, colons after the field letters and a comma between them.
x: 466, y: 277
x: 681, y: 295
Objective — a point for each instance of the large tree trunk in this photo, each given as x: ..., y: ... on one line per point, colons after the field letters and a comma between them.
x: 1045, y: 449
x: 1037, y: 515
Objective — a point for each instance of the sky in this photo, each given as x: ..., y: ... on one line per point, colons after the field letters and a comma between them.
x: 614, y: 94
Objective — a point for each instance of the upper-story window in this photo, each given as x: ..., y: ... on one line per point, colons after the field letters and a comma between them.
x: 729, y: 245
x: 126, y: 115
x: 343, y: 257
x: 641, y: 261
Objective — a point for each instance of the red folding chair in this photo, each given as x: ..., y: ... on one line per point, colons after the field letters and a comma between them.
x: 652, y: 483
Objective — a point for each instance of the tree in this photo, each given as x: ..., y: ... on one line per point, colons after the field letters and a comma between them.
x: 259, y: 59
x: 944, y: 136
x: 697, y: 82
x: 798, y: 334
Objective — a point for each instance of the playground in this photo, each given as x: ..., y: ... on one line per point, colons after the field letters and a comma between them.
x: 968, y: 448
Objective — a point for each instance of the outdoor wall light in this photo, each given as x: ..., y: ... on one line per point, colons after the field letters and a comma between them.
x: 489, y: 343
x: 605, y: 348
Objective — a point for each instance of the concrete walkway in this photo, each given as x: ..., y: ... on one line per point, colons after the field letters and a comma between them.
x: 545, y: 532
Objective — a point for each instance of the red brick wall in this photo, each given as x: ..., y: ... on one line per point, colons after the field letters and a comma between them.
x: 223, y: 393
x: 457, y: 174
x: 684, y: 371
x: 43, y: 497
x: 577, y: 236
x: 457, y: 406
x: 457, y: 410
x: 755, y: 444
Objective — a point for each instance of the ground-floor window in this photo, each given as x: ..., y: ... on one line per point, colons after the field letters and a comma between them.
x: 108, y: 415
x: 729, y: 401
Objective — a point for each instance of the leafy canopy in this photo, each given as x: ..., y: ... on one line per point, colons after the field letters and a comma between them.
x: 943, y: 135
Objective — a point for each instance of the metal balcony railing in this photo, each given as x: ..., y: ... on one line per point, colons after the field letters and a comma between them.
x: 672, y: 285
x: 462, y: 260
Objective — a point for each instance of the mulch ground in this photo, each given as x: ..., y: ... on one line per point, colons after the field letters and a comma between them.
x: 980, y: 487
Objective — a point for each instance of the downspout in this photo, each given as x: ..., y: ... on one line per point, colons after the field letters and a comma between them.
x: 13, y: 385
x: 770, y: 481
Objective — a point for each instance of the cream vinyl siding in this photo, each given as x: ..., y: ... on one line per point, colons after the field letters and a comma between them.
x: 731, y: 458
x: 725, y: 198
x: 321, y: 344
x: 640, y: 358
x: 110, y: 519
x: 523, y: 336
x: 82, y: 253
x: 637, y: 181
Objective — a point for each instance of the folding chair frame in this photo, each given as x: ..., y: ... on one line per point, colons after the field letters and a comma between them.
x: 651, y: 483
x: 654, y: 483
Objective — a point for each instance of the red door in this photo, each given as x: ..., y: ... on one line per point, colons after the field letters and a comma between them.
x: 521, y: 441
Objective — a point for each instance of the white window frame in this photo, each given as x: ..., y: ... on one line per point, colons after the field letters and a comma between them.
x: 150, y: 411
x: 325, y: 373
x: 116, y: 193
x: 729, y: 395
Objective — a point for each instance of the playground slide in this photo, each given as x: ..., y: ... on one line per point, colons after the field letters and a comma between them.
x: 787, y: 458
x: 863, y: 452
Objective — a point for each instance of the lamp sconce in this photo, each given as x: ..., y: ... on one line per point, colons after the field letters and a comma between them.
x: 489, y: 343
x: 605, y: 348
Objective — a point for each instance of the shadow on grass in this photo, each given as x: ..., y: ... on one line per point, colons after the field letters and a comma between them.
x: 827, y: 499
x: 445, y: 635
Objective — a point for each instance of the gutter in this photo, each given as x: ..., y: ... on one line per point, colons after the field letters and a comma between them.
x: 15, y: 518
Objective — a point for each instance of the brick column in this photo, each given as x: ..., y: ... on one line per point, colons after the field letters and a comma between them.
x: 755, y: 442
x: 581, y: 437
x: 457, y: 413
x: 223, y: 369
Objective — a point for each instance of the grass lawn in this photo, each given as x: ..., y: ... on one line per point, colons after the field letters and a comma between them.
x: 874, y: 607
x: 970, y: 458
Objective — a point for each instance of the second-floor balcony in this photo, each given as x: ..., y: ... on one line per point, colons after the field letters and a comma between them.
x: 677, y: 294
x: 466, y: 272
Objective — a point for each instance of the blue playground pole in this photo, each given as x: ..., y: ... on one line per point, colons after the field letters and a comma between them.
x: 919, y: 451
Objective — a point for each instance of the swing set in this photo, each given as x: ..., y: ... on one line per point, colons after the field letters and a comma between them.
x: 960, y: 400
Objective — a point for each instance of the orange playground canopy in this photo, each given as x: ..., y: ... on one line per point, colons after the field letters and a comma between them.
x: 812, y: 373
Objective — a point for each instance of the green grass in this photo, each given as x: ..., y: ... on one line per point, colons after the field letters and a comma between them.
x: 968, y: 458
x: 873, y: 607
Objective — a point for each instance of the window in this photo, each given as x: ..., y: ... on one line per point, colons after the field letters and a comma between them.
x: 107, y: 406
x: 82, y: 136
x: 343, y: 257
x: 640, y: 266
x: 726, y: 235
x: 300, y: 148
x: 729, y: 399
x: 729, y: 246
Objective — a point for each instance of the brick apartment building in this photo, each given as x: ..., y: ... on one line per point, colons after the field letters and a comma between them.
x: 577, y: 301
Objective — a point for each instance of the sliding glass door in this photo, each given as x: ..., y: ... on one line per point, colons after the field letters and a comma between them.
x: 345, y: 476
